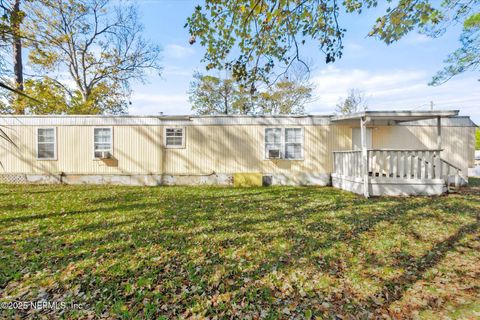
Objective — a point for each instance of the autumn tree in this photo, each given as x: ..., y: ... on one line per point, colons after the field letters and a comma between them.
x: 214, y: 95
x: 11, y: 35
x: 288, y: 94
x: 354, y: 102
x: 252, y: 38
x: 211, y: 95
x: 87, y: 53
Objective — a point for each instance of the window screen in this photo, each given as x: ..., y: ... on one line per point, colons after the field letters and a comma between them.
x: 174, y: 137
x: 102, y: 142
x: 273, y: 140
x: 293, y: 143
x: 288, y: 142
x: 46, y: 143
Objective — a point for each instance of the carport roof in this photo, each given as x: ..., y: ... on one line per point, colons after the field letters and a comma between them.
x: 397, y: 116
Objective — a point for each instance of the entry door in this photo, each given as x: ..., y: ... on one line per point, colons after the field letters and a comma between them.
x: 356, y: 139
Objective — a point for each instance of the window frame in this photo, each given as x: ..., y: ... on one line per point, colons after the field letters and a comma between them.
x: 265, y: 153
x: 184, y: 136
x: 302, y: 142
x: 54, y: 158
x: 93, y: 141
x: 283, y: 143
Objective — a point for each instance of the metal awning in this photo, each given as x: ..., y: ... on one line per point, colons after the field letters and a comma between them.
x: 392, y: 117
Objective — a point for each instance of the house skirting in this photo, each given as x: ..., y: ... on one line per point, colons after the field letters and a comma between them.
x: 391, y: 187
x: 223, y: 179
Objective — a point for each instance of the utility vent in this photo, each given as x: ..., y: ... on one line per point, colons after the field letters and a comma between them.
x: 273, y: 154
x: 266, y: 181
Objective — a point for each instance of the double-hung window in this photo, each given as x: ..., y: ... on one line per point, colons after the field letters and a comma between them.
x: 46, y: 143
x: 175, y: 137
x: 284, y: 143
x: 102, y: 142
x: 293, y: 143
x: 273, y: 143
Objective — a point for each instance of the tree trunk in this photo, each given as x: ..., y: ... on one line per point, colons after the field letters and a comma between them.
x: 17, y: 56
x: 225, y: 102
x: 225, y: 97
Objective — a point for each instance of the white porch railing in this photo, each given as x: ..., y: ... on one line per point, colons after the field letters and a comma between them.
x: 347, y: 163
x: 395, y: 164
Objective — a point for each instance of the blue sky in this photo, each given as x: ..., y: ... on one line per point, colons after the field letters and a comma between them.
x: 392, y: 77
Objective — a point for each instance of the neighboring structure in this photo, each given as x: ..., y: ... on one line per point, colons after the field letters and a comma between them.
x: 371, y: 153
x: 475, y: 171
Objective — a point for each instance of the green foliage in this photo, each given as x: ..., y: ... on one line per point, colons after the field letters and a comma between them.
x: 51, y: 96
x: 87, y: 52
x: 253, y: 38
x: 212, y: 252
x: 405, y: 16
x: 285, y: 97
x: 48, y: 96
x: 263, y: 33
x: 10, y: 19
x: 467, y: 57
x: 354, y: 102
x: 213, y: 95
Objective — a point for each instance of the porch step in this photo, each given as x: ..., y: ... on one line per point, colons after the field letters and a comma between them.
x: 452, y: 189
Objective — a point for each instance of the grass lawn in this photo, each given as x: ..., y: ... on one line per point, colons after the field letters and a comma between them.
x: 277, y: 252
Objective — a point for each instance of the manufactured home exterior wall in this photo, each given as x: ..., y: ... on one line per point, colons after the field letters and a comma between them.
x: 136, y: 150
x: 231, y: 149
x: 139, y: 150
x: 213, y: 145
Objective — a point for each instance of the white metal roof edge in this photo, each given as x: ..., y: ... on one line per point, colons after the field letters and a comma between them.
x: 34, y: 120
x: 407, y: 114
x: 186, y: 120
x: 163, y: 117
x: 458, y: 121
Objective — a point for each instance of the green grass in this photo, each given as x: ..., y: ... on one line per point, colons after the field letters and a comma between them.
x: 278, y: 252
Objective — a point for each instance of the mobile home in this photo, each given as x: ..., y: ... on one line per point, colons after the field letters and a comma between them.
x: 370, y: 153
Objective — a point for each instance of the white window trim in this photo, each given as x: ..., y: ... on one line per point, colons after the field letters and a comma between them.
x: 282, y: 142
x: 54, y: 143
x: 93, y: 140
x: 303, y: 142
x: 184, y: 135
x: 265, y: 155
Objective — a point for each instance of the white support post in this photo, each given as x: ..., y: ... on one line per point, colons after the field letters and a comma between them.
x: 439, y: 133
x: 363, y: 138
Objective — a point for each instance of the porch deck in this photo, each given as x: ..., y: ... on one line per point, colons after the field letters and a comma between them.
x: 394, y: 172
x: 377, y: 172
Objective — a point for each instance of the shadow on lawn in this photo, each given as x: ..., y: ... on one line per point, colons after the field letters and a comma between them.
x: 416, y: 267
x: 204, y: 226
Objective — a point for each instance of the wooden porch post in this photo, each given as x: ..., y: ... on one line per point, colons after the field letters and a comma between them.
x: 363, y: 139
x: 439, y: 133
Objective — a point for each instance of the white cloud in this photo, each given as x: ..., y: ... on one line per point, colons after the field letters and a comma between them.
x: 385, y: 90
x: 171, y: 70
x: 352, y: 47
x: 177, y: 51
x: 396, y: 89
x: 416, y: 38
